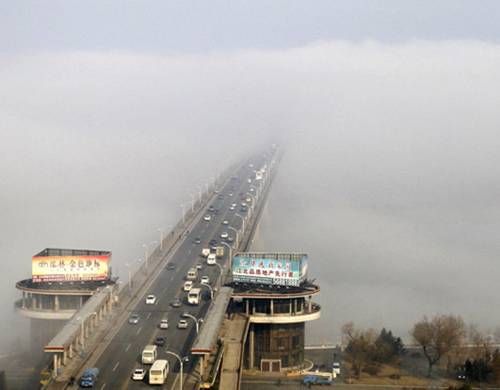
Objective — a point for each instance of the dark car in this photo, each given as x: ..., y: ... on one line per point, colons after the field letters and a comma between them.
x: 160, y: 341
x: 171, y: 266
x: 212, y: 242
x: 220, y: 196
x: 211, y: 209
x: 197, y: 240
x: 243, y: 209
x: 176, y: 303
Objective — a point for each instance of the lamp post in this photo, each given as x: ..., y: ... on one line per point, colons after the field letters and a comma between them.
x: 237, y: 235
x: 257, y: 190
x: 192, y: 202
x: 221, y: 273
x: 230, y: 258
x: 242, y: 221
x: 197, y: 321
x: 199, y: 194
x: 129, y: 278
x: 183, y: 213
x: 211, y: 293
x: 160, y: 230
x: 181, y: 362
x: 146, y: 251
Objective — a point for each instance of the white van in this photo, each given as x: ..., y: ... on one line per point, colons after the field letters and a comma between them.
x: 194, y: 296
x: 211, y: 259
x: 188, y: 284
x: 158, y: 372
x: 149, y: 354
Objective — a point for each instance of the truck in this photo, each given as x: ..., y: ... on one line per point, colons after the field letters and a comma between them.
x: 219, y: 251
x: 317, y: 379
x: 89, y: 377
x: 205, y: 252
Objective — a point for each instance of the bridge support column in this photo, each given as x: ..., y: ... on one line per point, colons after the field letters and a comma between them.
x: 247, y: 307
x: 309, y: 304
x: 64, y: 356
x: 70, y: 351
x: 55, y: 362
x: 56, y: 302
x: 271, y: 306
x: 251, y: 346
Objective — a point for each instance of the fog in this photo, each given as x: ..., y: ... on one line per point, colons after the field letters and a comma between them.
x: 388, y: 181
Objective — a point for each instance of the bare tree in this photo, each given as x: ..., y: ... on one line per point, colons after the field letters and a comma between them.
x: 438, y: 336
x: 360, y: 347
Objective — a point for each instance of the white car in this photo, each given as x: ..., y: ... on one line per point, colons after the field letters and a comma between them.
x: 225, y: 222
x: 207, y: 218
x: 139, y: 374
x: 182, y: 324
x: 233, y: 205
x: 224, y: 235
x: 164, y: 324
x: 232, y: 208
x: 205, y: 279
x: 150, y: 299
x: 188, y: 285
x: 199, y: 266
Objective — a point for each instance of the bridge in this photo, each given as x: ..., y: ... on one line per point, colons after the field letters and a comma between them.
x: 102, y: 336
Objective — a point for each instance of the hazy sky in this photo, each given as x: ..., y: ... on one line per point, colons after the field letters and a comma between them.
x: 200, y: 26
x: 110, y: 116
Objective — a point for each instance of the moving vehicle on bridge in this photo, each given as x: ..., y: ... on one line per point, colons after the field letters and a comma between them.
x: 194, y: 296
x: 158, y: 372
x: 149, y: 354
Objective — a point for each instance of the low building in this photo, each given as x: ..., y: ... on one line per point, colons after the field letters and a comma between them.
x: 272, y: 290
x: 62, y: 281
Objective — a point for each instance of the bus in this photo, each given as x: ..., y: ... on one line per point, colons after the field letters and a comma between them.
x: 158, y: 372
x: 194, y: 296
x: 149, y: 354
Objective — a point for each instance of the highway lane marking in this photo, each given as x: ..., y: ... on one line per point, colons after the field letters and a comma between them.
x: 128, y: 346
x: 139, y: 330
x: 116, y: 366
x: 171, y: 278
x: 149, y: 315
x: 103, y: 386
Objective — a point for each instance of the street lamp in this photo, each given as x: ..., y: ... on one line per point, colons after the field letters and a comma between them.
x: 160, y: 230
x: 197, y: 321
x: 199, y: 194
x: 242, y: 221
x: 181, y: 362
x: 192, y: 202
x: 211, y: 291
x: 221, y: 271
x: 237, y: 235
x: 146, y: 251
x: 129, y: 278
x: 183, y: 213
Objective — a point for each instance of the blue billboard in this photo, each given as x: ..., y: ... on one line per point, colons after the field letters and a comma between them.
x: 282, y: 269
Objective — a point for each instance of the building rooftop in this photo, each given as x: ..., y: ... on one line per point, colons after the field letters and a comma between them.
x: 72, y: 252
x: 64, y: 286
